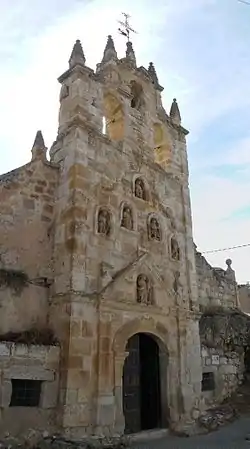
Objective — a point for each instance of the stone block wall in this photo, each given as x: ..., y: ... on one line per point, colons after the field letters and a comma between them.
x: 244, y: 298
x: 26, y: 242
x: 28, y: 363
x: 216, y: 287
x: 228, y: 372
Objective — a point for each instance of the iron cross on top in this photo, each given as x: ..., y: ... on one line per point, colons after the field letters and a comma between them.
x: 126, y: 28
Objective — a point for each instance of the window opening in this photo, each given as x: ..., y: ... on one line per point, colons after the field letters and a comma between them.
x: 25, y: 393
x: 208, y: 383
x: 104, y: 125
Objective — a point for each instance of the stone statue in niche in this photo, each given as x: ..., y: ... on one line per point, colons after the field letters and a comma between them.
x: 144, y: 290
x: 154, y: 229
x: 140, y: 189
x: 64, y: 91
x: 175, y: 250
x: 104, y: 222
x: 127, y: 219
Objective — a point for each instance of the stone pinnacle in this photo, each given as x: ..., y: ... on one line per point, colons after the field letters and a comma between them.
x: 39, y: 149
x: 152, y: 73
x: 175, y: 112
x: 130, y: 54
x: 109, y: 51
x: 77, y: 56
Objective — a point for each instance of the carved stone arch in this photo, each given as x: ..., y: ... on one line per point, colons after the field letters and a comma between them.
x: 174, y: 248
x: 157, y: 331
x: 113, y: 110
x: 125, y: 205
x: 141, y: 179
x: 103, y: 208
x: 154, y: 227
x: 142, y: 324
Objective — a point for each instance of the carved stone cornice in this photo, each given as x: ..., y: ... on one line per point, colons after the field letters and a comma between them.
x: 77, y: 69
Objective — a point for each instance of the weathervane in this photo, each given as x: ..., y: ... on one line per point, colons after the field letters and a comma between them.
x: 126, y: 28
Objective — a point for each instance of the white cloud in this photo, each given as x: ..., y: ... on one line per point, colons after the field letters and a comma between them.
x: 199, y: 55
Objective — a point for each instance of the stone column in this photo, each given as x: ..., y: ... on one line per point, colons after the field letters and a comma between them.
x: 119, y: 422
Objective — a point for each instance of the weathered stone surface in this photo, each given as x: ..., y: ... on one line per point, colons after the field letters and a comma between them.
x: 216, y: 417
x: 95, y: 247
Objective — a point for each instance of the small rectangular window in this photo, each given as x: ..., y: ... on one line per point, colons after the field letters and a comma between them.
x: 25, y: 393
x: 208, y: 383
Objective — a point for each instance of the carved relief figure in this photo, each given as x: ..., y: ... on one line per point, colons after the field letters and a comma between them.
x: 140, y: 189
x: 175, y: 250
x: 104, y: 222
x: 144, y: 290
x: 127, y: 219
x: 154, y: 229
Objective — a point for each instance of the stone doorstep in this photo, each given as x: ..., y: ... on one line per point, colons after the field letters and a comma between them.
x: 146, y: 435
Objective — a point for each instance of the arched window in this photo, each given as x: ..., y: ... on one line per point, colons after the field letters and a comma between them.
x: 154, y: 232
x: 127, y: 217
x: 137, y: 95
x: 114, y: 117
x: 174, y: 248
x: 104, y: 222
x: 162, y: 144
x: 144, y: 291
x: 140, y: 191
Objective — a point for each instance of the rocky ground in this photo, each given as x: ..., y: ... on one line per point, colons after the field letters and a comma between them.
x: 223, y: 427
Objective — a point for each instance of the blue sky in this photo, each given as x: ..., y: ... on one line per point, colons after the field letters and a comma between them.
x: 201, y: 52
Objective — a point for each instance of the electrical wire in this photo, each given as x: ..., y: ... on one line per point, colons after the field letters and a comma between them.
x: 226, y: 249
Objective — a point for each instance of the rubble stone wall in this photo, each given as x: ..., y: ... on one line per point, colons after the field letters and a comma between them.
x: 244, y: 298
x: 26, y: 242
x: 216, y: 287
x: 228, y: 371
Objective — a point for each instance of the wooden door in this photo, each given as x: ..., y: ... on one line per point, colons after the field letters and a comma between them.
x: 131, y: 386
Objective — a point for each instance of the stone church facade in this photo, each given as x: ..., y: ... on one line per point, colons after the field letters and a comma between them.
x: 99, y: 295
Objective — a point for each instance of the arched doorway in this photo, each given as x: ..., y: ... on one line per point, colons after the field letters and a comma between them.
x: 141, y: 384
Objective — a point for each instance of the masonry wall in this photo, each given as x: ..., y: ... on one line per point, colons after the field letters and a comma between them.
x: 228, y: 372
x: 37, y: 363
x: 244, y: 298
x: 96, y: 273
x: 26, y: 242
x: 216, y: 287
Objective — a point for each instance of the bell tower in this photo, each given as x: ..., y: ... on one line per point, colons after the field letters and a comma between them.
x: 123, y: 248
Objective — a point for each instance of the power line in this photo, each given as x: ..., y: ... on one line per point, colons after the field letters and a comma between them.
x: 226, y: 249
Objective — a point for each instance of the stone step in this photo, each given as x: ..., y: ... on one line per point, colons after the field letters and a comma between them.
x: 146, y: 435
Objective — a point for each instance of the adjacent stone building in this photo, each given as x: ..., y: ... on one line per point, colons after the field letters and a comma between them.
x: 244, y: 297
x: 100, y: 303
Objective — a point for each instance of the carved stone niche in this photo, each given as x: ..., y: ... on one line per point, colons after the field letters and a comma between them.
x: 140, y: 191
x: 154, y: 232
x: 174, y: 249
x: 144, y: 290
x: 127, y: 217
x: 104, y: 222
